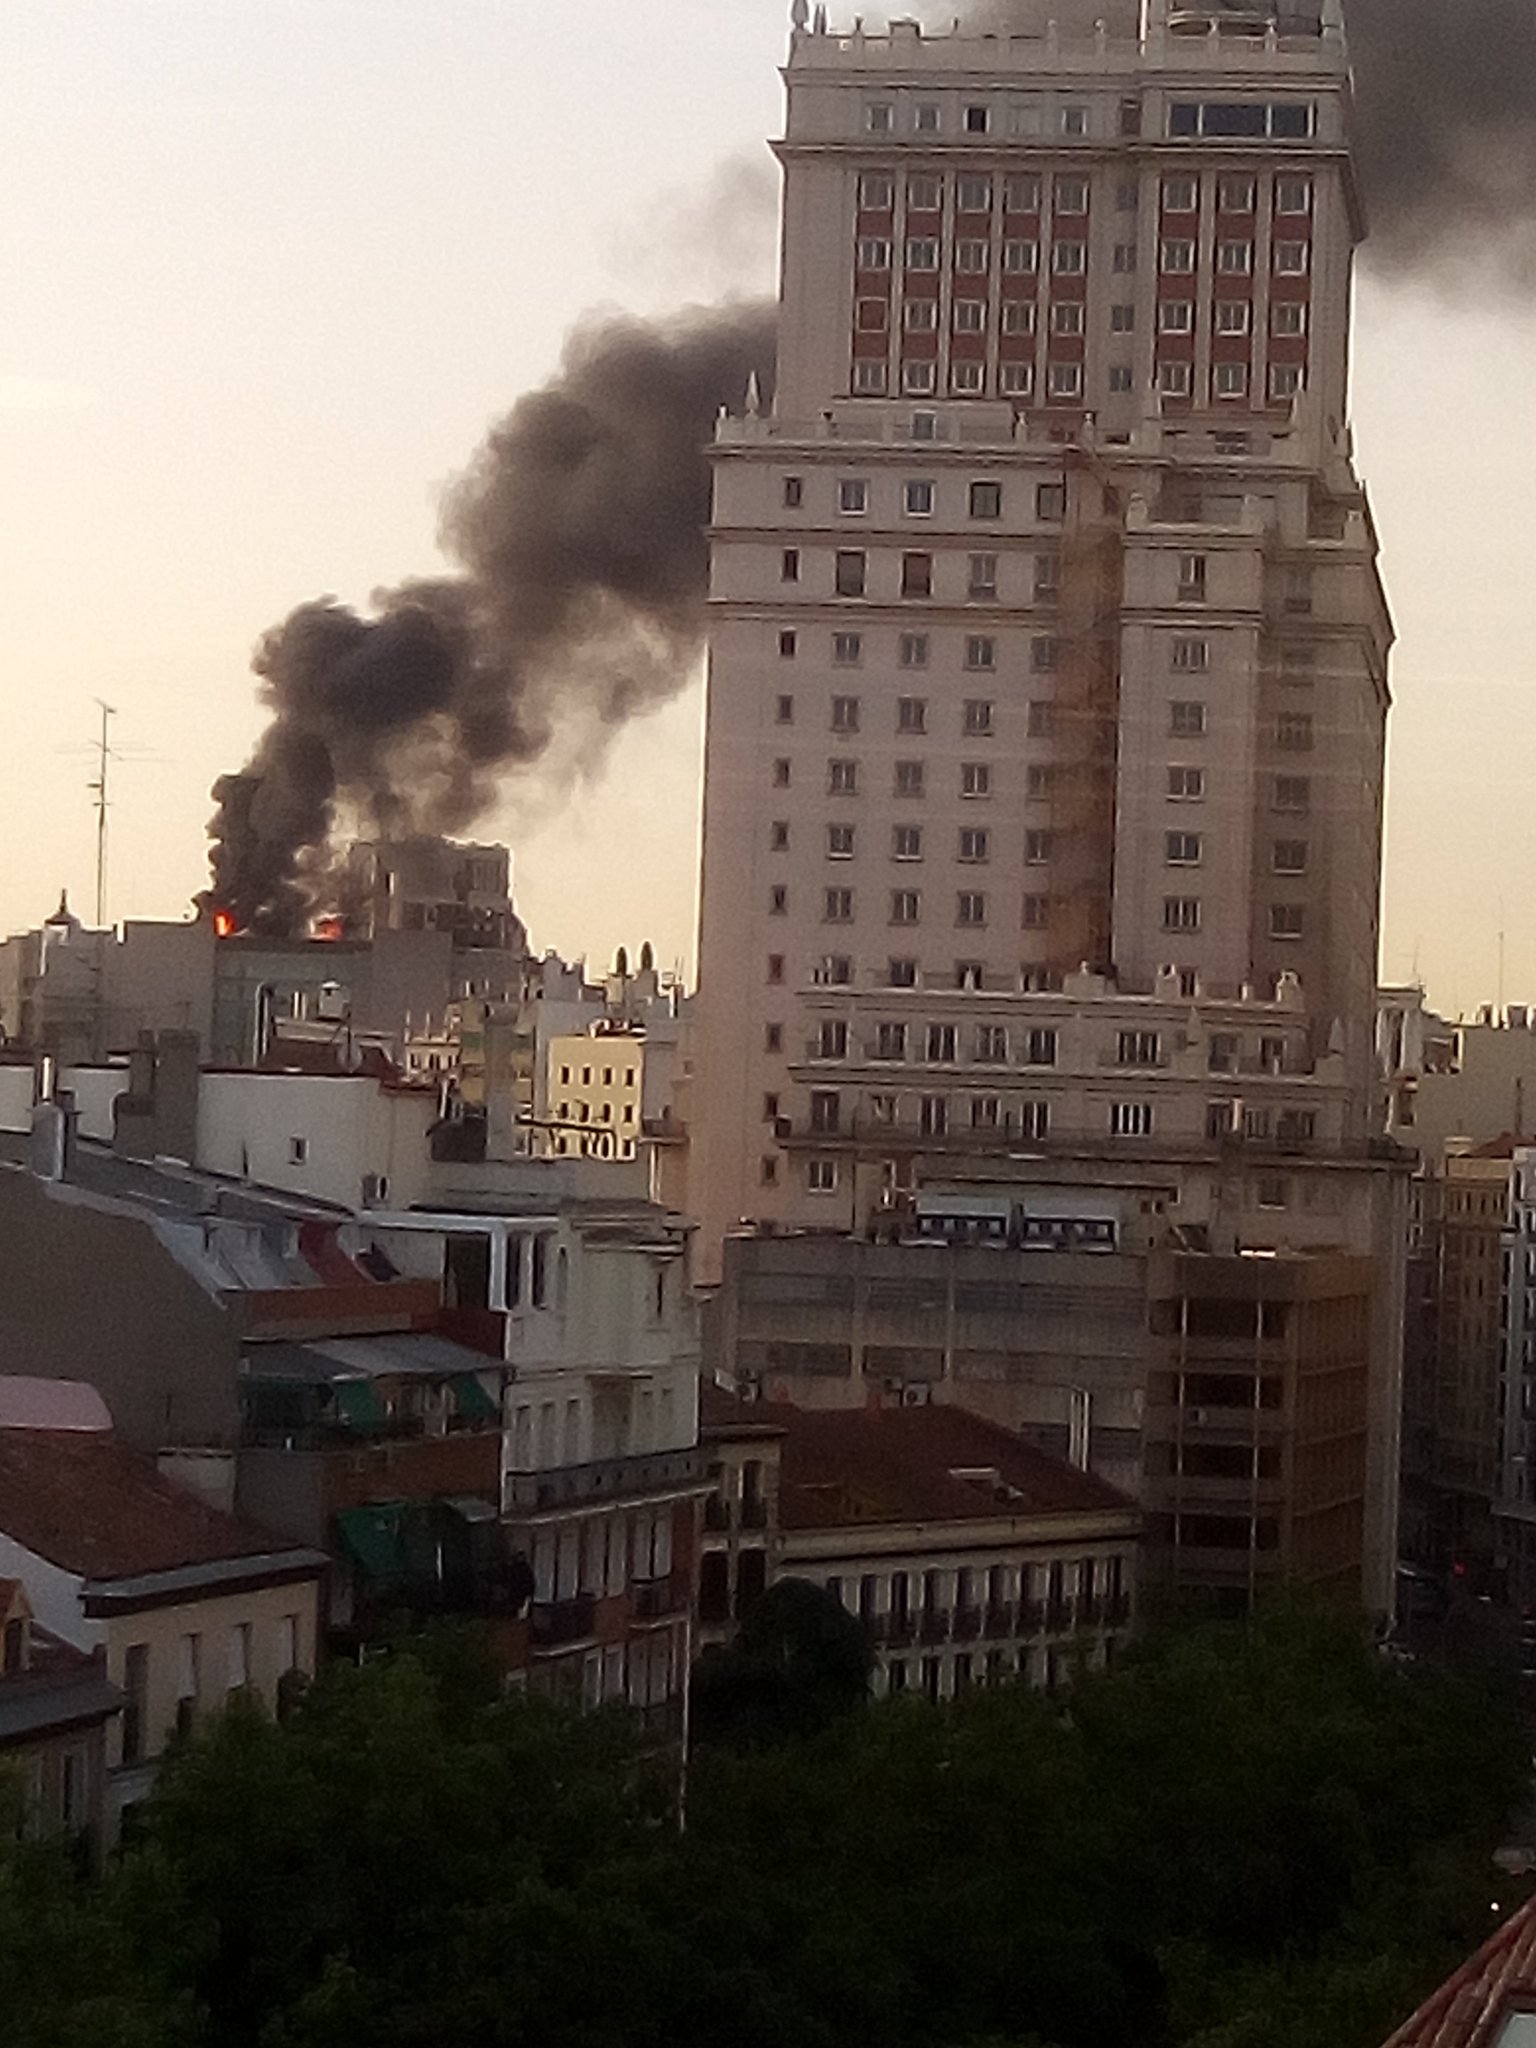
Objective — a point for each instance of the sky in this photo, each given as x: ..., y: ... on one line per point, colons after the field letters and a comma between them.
x: 272, y: 266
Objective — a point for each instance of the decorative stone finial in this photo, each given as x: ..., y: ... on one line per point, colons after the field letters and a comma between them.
x: 799, y: 13
x: 754, y: 397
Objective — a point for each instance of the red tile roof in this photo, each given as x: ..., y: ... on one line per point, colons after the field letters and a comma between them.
x: 843, y: 1467
x: 95, y: 1508
x: 1469, y: 2009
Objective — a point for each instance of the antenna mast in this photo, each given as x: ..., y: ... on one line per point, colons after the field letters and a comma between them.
x: 98, y: 789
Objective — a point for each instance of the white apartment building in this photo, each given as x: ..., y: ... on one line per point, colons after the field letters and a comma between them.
x: 1047, y: 633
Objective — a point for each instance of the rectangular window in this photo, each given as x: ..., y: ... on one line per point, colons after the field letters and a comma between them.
x: 1040, y: 719
x: 1284, y: 380
x: 789, y: 566
x: 973, y: 195
x: 1037, y: 847
x: 1047, y: 577
x: 906, y: 906
x: 1293, y: 195
x: 920, y: 316
x: 980, y: 651
x: 975, y: 778
x: 1021, y: 195
x: 922, y: 252
x: 925, y: 193
x: 970, y: 317
x: 1178, y: 255
x: 842, y: 778
x: 1074, y: 121
x: 1044, y: 654
x: 890, y: 1041
x: 1233, y: 316
x: 878, y: 117
x: 977, y: 716
x: 978, y: 119
x: 974, y: 843
x: 925, y: 117
x: 1293, y: 730
x: 1039, y: 1047
x: 852, y: 494
x: 1017, y: 380
x: 1122, y: 319
x: 851, y: 570
x: 1231, y: 380
x: 239, y: 1672
x: 1121, y: 377
x: 1235, y: 195
x: 967, y: 378
x: 136, y: 1704
x: 917, y: 379
x: 1288, y: 316
x: 1234, y: 259
x: 1287, y: 920
x: 933, y: 1122
x: 1176, y: 316
x: 1186, y: 785
x: 1064, y: 380
x: 906, y: 842
x: 839, y: 842
x: 986, y: 500
x: 1122, y: 259
x: 781, y: 774
x: 1071, y: 195
x: 778, y: 900
x: 1182, y: 849
x: 1069, y: 259
x: 847, y: 649
x: 1127, y: 192
x: 917, y: 575
x: 794, y: 491
x: 971, y: 256
x: 1050, y: 502
x: 1039, y: 780
x: 1139, y: 1049
x: 868, y: 379
x: 1021, y: 259
x: 836, y: 906
x: 1174, y: 380
x: 981, y: 576
x: 917, y: 497
x: 1130, y: 1119
x: 1181, y: 913
x: 1181, y: 194
x: 821, y: 1176
x: 911, y: 714
x: 1293, y: 793
x: 1291, y: 258
x: 876, y: 191
x: 1192, y: 579
x: 1186, y: 720
x: 1288, y: 857
x: 942, y: 1047
x: 970, y: 907
x: 1190, y: 654
x: 1018, y: 316
x: 992, y: 1045
x: 874, y: 252
x: 912, y: 650
x: 909, y: 778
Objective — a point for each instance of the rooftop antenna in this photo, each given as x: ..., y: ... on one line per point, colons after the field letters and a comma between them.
x: 98, y: 789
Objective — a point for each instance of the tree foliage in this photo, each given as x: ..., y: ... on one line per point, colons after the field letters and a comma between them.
x: 1245, y: 1837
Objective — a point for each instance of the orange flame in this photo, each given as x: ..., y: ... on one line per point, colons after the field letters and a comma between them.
x: 223, y: 925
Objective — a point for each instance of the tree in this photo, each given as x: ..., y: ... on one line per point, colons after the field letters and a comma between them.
x: 798, y: 1662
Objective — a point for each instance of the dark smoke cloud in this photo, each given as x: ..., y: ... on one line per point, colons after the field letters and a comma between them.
x: 1445, y: 132
x: 579, y: 530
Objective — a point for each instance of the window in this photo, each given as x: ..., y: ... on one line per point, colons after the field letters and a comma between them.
x: 920, y: 316
x: 917, y: 378
x: 1192, y: 579
x: 986, y: 1112
x: 942, y: 1046
x: 1174, y: 380
x: 1176, y: 316
x: 911, y: 714
x: 973, y: 842
x: 1293, y: 195
x: 1044, y: 654
x: 912, y: 650
x: 967, y: 378
x: 836, y: 906
x: 1293, y: 792
x: 1037, y: 913
x: 970, y: 317
x: 1190, y: 654
x: 1180, y: 195
x: 868, y: 379
x: 839, y: 842
x: 1021, y: 259
x: 1016, y: 379
x: 980, y: 651
x: 850, y: 572
x: 973, y: 195
x: 1181, y: 913
x: 1064, y: 380
x: 847, y: 649
x: 1288, y: 857
x: 1290, y: 258
x: 1235, y: 195
x: 917, y: 497
x: 778, y: 842
x: 1186, y: 785
x: 1018, y: 316
x: 778, y: 900
x: 1231, y: 380
x: 794, y: 491
x: 832, y: 1039
x: 1122, y: 258
x: 925, y: 117
x: 1122, y: 319
x: 1039, y: 779
x: 977, y: 715
x: 906, y: 906
x: 781, y: 773
x: 1139, y: 1049
x: 1074, y: 121
x: 992, y: 1044
x: 1039, y: 1047
x: 975, y: 778
x: 852, y: 494
x: 821, y: 1176
x: 971, y: 256
x: 906, y: 842
x: 842, y: 778
x: 773, y: 1034
x: 1233, y: 316
x: 1040, y: 719
x: 1037, y: 847
x: 890, y: 1041
x: 1130, y: 1119
x: 1021, y: 195
x: 986, y: 500
x: 298, y: 1151
x: 1234, y: 259
x: 1286, y: 920
x: 970, y: 907
x: 768, y: 1171
x: 977, y: 120
x: 970, y: 975
x: 909, y: 778
x: 925, y: 193
x: 981, y: 576
x: 1178, y: 255
x: 876, y: 191
x: 1296, y: 1126
x: 933, y: 1122
x: 1288, y: 316
x: 1182, y: 849
x: 1069, y: 259
x: 833, y: 970
x: 789, y: 566
x: 239, y: 1672
x: 135, y: 1706
x: 874, y: 253
x: 917, y: 575
x: 1047, y: 576
x: 1071, y: 195
x: 1127, y: 194
x: 878, y: 117
x: 1293, y: 730
x: 1284, y: 380
x: 922, y: 252
x: 1050, y: 501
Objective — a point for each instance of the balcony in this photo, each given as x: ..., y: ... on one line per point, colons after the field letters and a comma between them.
x: 933, y: 1625
x: 717, y: 1515
x: 605, y: 1479
x: 1058, y: 1617
x: 998, y: 1620
x: 1031, y: 1617
x: 967, y: 1624
x: 658, y: 1599
x: 554, y: 1623
x: 754, y: 1514
x: 893, y: 1631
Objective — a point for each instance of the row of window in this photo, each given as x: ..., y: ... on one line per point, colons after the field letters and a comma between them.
x: 1018, y: 256
x: 1033, y: 1045
x: 1187, y: 120
x: 984, y: 497
x: 1070, y: 316
x: 1185, y: 783
x: 1024, y: 192
x: 1188, y: 653
x: 905, y: 906
x: 1286, y: 921
x: 973, y: 843
x: 872, y: 379
x: 587, y: 1112
x: 850, y: 577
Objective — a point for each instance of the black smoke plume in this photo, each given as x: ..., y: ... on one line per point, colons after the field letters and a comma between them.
x: 579, y: 532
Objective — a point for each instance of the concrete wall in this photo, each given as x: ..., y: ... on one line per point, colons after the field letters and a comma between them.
x: 318, y: 1135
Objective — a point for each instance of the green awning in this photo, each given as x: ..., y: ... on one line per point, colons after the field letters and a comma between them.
x: 472, y: 1401
x: 373, y: 1536
x: 358, y: 1404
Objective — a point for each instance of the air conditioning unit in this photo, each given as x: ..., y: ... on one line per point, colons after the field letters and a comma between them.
x: 783, y: 1127
x: 916, y: 1396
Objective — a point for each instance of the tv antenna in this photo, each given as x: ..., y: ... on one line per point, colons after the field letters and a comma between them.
x: 98, y: 789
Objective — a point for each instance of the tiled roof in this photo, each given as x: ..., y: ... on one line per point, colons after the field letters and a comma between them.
x: 92, y: 1507
x: 931, y: 1464
x: 27, y: 1403
x: 1470, y: 2009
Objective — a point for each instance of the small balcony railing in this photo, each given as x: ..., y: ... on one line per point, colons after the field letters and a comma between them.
x: 967, y: 1624
x: 999, y: 1619
x: 657, y: 1599
x: 555, y: 1622
x: 933, y: 1624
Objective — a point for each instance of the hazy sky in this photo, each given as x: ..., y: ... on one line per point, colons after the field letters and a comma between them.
x: 272, y: 265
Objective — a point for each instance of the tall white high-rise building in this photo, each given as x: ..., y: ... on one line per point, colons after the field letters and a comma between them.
x: 1047, y: 691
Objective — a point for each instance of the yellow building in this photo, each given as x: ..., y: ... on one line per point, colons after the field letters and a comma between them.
x: 594, y: 1091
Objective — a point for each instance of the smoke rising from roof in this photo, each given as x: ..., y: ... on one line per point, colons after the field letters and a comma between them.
x: 579, y: 530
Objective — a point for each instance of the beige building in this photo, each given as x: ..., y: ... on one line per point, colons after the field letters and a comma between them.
x: 1046, y: 621
x: 595, y: 1091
